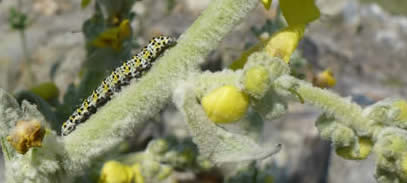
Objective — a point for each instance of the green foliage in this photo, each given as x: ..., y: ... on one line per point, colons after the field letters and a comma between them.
x: 47, y: 90
x: 85, y: 3
x: 17, y: 19
x: 170, y: 5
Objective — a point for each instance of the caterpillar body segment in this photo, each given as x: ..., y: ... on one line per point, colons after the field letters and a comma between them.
x: 121, y: 76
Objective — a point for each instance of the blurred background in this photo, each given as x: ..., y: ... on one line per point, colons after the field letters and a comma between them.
x: 48, y: 45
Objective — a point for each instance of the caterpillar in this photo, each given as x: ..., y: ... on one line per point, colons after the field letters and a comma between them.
x: 121, y: 76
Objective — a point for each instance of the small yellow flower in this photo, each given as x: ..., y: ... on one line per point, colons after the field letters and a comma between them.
x: 256, y: 80
x: 266, y: 3
x: 283, y: 43
x: 113, y: 37
x: 225, y: 104
x: 365, y: 147
x: 325, y: 79
x: 26, y: 134
x: 115, y: 172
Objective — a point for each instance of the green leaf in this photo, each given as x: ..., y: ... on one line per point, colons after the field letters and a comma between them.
x: 216, y: 143
x: 298, y: 12
x: 85, y: 3
x: 17, y: 19
x: 47, y: 90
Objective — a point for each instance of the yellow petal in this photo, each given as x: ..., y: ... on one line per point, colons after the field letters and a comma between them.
x: 283, y: 43
x: 299, y: 12
x: 266, y: 3
x: 115, y: 172
x: 225, y: 104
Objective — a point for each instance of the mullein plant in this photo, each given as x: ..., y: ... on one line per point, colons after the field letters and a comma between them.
x: 257, y: 87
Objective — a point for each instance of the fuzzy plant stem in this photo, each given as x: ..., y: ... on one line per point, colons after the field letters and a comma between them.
x: 347, y: 112
x: 127, y: 112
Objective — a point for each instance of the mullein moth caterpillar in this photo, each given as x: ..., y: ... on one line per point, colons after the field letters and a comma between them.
x: 131, y: 69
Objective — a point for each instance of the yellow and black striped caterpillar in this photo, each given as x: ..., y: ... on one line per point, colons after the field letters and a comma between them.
x: 133, y: 68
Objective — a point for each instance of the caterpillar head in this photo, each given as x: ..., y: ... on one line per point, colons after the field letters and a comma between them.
x: 164, y: 41
x: 67, y: 128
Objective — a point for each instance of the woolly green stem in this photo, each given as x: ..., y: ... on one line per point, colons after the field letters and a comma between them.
x: 348, y: 113
x: 127, y: 111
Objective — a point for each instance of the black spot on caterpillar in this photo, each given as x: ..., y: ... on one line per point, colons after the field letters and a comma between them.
x: 131, y: 69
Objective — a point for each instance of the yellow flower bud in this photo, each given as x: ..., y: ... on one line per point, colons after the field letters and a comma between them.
x: 137, y: 172
x: 365, y: 147
x: 115, y: 172
x: 225, y: 104
x: 283, y: 43
x: 25, y: 135
x: 256, y: 81
x: 324, y: 79
x: 402, y: 106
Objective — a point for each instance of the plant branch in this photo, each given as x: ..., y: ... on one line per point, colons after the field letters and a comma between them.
x: 347, y: 112
x: 129, y: 110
